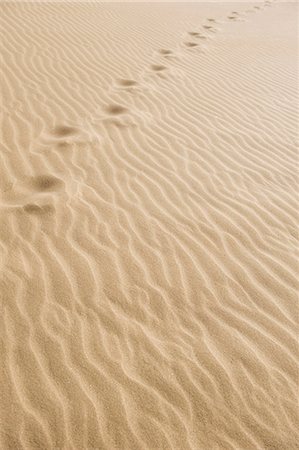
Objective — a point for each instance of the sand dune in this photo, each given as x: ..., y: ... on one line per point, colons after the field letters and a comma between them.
x: 149, y: 226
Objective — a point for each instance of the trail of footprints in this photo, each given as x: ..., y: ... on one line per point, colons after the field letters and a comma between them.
x: 47, y: 183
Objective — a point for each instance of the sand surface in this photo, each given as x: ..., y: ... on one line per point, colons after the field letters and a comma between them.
x: 149, y: 226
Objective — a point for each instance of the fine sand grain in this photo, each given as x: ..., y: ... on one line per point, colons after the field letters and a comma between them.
x: 148, y: 227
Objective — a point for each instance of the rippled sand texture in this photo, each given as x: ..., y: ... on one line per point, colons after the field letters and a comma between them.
x: 148, y: 226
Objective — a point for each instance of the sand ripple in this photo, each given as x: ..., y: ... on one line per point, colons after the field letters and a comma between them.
x: 149, y: 226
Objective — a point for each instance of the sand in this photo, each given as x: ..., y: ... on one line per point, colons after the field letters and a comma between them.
x: 149, y: 226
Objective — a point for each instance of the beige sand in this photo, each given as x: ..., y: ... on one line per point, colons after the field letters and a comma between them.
x: 148, y: 226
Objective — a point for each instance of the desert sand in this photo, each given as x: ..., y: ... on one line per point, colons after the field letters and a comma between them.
x: 149, y: 246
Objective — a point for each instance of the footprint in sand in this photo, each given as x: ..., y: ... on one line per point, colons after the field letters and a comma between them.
x: 65, y: 137
x: 33, y: 185
x: 117, y: 115
x: 64, y: 130
x: 45, y: 183
x: 165, y: 52
x: 190, y: 44
x: 115, y: 109
x: 158, y: 67
x: 195, y: 34
x: 126, y: 82
x: 33, y: 195
x: 209, y: 28
x: 38, y: 210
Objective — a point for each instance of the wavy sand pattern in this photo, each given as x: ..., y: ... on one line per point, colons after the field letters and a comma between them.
x: 149, y: 226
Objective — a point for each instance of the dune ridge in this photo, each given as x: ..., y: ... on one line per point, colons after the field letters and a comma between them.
x: 149, y: 226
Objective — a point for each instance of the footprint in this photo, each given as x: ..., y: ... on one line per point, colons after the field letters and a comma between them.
x: 64, y: 130
x: 158, y: 67
x: 194, y: 33
x: 67, y: 138
x: 32, y: 195
x: 115, y: 110
x: 208, y: 27
x: 164, y: 51
x: 232, y: 17
x: 63, y: 146
x: 118, y: 116
x: 211, y: 20
x: 127, y: 83
x: 190, y: 44
x: 37, y: 210
x: 46, y: 183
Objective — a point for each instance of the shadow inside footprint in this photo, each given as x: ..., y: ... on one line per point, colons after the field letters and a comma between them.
x: 63, y: 145
x: 158, y: 67
x: 194, y: 33
x: 211, y: 20
x: 127, y: 83
x: 46, y: 183
x: 115, y: 109
x: 208, y: 27
x: 190, y: 44
x: 164, y: 51
x: 33, y: 209
x: 64, y: 130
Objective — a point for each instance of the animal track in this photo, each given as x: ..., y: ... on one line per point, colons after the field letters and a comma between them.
x: 46, y: 183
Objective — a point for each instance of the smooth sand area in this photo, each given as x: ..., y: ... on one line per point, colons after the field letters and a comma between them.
x: 148, y: 230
